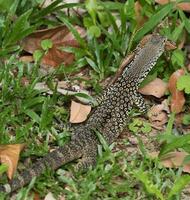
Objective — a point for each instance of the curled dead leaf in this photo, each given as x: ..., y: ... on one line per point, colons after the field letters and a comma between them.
x: 9, y: 155
x: 157, y: 88
x: 79, y: 112
x: 157, y: 115
x: 170, y: 45
x: 178, y: 99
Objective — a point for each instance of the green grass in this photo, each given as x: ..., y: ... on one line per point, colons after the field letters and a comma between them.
x: 28, y: 116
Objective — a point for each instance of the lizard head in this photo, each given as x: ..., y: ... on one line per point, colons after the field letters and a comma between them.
x: 149, y: 55
x: 157, y: 42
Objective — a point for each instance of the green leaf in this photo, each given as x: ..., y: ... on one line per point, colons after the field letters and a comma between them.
x: 169, y: 127
x: 92, y: 64
x: 146, y: 127
x: 37, y: 55
x: 178, y: 58
x: 177, y: 32
x: 135, y: 125
x: 94, y: 31
x: 3, y: 168
x: 73, y: 31
x: 5, y: 5
x: 47, y: 114
x: 20, y: 29
x: 87, y: 21
x: 176, y: 142
x: 149, y: 185
x: 46, y: 44
x: 91, y: 6
x: 179, y: 185
x: 104, y: 19
x: 102, y: 141
x: 186, y: 119
x: 129, y: 9
x: 153, y: 21
x: 185, y: 20
x: 183, y: 83
x: 32, y: 115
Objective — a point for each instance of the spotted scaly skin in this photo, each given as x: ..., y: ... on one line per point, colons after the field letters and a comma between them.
x: 109, y: 117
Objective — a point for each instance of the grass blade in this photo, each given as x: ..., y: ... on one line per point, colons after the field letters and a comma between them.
x: 153, y: 21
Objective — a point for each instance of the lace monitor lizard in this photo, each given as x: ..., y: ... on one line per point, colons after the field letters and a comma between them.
x: 109, y: 117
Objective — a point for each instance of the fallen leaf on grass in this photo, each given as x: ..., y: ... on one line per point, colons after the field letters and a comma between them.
x: 157, y: 88
x: 183, y: 6
x: 178, y: 99
x: 26, y: 59
x: 174, y: 160
x: 157, y: 115
x: 60, y: 37
x: 36, y: 196
x: 49, y: 196
x: 9, y: 155
x: 140, y: 19
x: 79, y: 112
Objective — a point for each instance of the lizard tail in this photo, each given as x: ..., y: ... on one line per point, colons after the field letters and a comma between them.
x: 53, y: 160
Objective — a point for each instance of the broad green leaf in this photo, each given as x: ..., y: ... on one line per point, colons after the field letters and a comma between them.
x: 183, y: 83
x: 185, y: 20
x: 92, y: 64
x: 146, y: 127
x: 91, y: 6
x: 32, y: 115
x: 94, y: 31
x: 19, y: 30
x: 46, y: 44
x: 47, y: 114
x: 178, y: 58
x: 177, y: 142
x: 102, y: 141
x: 45, y: 11
x: 5, y: 5
x: 177, y: 32
x: 37, y: 55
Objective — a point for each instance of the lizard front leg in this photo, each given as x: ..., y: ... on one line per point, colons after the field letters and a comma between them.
x: 140, y: 103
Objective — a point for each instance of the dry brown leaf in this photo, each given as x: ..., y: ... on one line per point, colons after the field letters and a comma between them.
x: 174, y: 160
x: 9, y: 155
x: 170, y: 45
x: 178, y: 99
x: 157, y: 116
x: 60, y: 37
x: 79, y: 112
x: 182, y: 6
x: 36, y: 196
x: 138, y: 13
x: 25, y: 81
x: 49, y: 196
x: 62, y: 198
x: 157, y: 88
x: 26, y: 59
